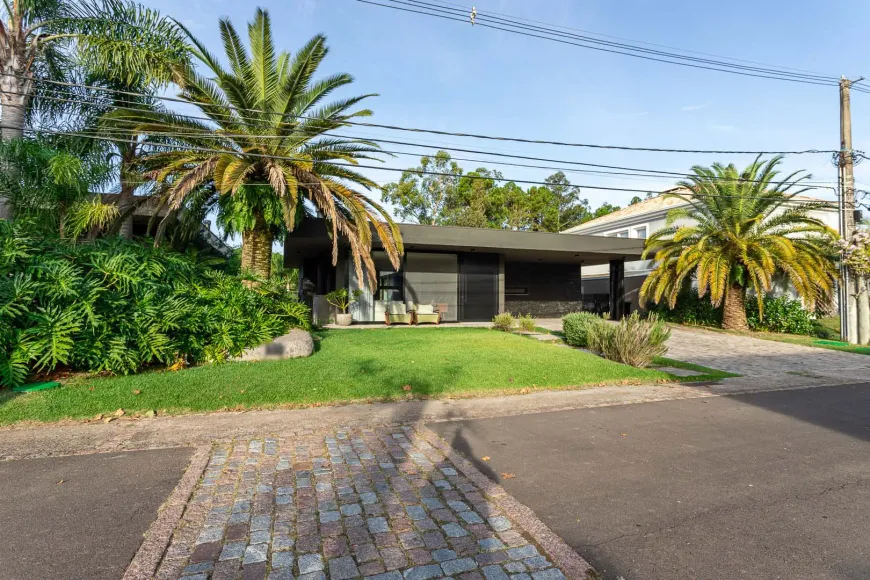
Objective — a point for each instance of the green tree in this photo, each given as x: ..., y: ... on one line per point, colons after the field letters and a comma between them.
x: 744, y: 228
x: 115, y: 38
x: 479, y: 200
x: 266, y: 148
x: 602, y: 210
x: 425, y: 194
x: 556, y: 206
x: 635, y: 200
x: 52, y: 183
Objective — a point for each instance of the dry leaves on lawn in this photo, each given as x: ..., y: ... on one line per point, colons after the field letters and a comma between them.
x: 508, y: 475
x: 485, y: 458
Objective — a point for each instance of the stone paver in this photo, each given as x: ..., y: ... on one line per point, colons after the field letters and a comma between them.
x: 378, y: 504
x: 759, y: 362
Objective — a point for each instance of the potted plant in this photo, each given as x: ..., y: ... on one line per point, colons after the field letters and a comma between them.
x: 343, y: 300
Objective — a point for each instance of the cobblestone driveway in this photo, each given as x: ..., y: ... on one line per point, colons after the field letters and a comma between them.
x: 380, y: 504
x: 773, y: 363
x: 765, y: 363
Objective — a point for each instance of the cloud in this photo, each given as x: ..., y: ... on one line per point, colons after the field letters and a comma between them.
x: 688, y: 108
x: 723, y: 128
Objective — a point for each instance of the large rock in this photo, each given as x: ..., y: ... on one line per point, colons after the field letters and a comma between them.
x: 295, y: 344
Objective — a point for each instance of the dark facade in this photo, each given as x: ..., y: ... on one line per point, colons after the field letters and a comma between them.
x: 468, y: 274
x: 542, y: 290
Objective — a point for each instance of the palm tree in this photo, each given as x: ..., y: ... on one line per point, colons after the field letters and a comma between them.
x: 743, y: 228
x: 116, y: 38
x: 266, y: 148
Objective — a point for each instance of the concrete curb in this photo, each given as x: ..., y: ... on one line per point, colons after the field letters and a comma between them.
x: 157, y: 538
x: 570, y: 562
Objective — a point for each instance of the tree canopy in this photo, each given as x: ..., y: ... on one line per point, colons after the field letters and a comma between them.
x: 438, y: 192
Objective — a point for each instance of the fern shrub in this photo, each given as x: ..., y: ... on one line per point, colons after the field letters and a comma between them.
x: 119, y: 306
x: 633, y: 341
x: 576, y: 327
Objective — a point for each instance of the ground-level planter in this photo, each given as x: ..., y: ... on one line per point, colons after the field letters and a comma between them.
x: 343, y: 319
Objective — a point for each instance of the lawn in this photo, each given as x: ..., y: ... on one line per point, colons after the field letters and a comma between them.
x: 349, y: 365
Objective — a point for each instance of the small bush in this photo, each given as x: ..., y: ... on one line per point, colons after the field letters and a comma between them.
x: 576, y: 327
x: 528, y: 323
x: 504, y: 321
x: 780, y: 315
x: 634, y: 341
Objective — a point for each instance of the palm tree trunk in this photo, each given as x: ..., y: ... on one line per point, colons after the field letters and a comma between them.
x: 257, y: 248
x: 14, y: 98
x: 734, y: 315
x: 125, y: 201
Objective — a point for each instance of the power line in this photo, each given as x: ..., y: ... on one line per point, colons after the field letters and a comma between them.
x: 636, y: 172
x: 549, y: 29
x: 589, y: 32
x: 456, y: 134
x: 599, y: 45
x: 361, y: 166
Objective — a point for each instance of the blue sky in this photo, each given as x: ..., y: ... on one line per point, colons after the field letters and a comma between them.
x: 455, y: 77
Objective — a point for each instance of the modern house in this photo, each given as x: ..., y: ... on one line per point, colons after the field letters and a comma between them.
x: 637, y: 222
x: 468, y: 274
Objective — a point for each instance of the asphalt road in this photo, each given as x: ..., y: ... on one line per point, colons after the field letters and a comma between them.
x: 771, y: 485
x: 90, y: 525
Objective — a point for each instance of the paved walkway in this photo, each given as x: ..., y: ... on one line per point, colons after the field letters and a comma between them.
x: 761, y: 362
x: 383, y: 504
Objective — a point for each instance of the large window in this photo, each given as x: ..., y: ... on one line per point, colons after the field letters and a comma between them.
x: 640, y: 233
x: 390, y: 286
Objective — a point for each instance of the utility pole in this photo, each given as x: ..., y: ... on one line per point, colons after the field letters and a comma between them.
x: 854, y: 293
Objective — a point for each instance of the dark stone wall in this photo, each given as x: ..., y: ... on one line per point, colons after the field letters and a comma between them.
x: 542, y: 308
x: 548, y: 290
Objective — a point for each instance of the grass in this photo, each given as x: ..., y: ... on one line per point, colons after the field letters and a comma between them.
x: 350, y: 365
x: 707, y: 374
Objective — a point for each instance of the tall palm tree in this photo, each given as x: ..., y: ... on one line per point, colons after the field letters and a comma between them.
x: 116, y: 38
x: 742, y: 228
x: 266, y: 147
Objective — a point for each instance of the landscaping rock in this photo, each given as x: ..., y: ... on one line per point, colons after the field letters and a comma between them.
x: 295, y: 344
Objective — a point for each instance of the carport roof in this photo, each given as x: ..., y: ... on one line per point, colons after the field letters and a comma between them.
x: 312, y: 238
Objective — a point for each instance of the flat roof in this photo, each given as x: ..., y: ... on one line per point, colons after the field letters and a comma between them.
x: 312, y: 237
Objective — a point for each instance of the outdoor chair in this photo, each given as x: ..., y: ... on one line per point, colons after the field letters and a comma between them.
x: 396, y: 313
x: 426, y: 314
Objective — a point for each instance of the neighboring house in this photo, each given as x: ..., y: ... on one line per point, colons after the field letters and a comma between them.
x: 638, y: 222
x: 144, y: 212
x: 469, y: 274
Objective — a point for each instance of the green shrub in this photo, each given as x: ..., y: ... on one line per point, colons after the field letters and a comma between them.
x: 827, y: 328
x: 633, y: 341
x: 576, y: 327
x: 119, y: 306
x: 528, y: 323
x: 781, y: 314
x: 690, y: 309
x: 504, y: 321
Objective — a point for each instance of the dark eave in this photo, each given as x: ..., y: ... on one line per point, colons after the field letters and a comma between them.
x: 312, y: 238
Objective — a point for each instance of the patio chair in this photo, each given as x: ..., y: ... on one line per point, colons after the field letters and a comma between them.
x: 426, y: 314
x: 397, y: 313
